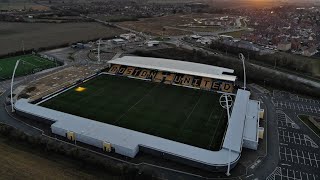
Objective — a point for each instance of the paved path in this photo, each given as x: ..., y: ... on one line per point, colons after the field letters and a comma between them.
x: 270, y: 162
x: 8, y: 119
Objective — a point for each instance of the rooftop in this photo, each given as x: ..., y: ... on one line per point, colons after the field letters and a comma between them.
x: 176, y: 66
x: 132, y: 139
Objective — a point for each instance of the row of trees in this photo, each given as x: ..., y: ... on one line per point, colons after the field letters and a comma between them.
x: 283, y: 60
x: 255, y: 74
x: 29, y: 51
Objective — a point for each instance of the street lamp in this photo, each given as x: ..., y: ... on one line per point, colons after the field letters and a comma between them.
x: 14, y: 71
x: 242, y: 58
x: 226, y: 102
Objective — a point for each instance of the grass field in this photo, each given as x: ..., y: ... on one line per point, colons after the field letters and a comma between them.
x: 22, y: 5
x: 41, y: 35
x: 181, y: 114
x: 28, y: 65
x: 21, y: 161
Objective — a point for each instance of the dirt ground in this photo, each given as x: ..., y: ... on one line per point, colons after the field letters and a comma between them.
x: 19, y: 162
x: 13, y: 36
x: 156, y: 26
x: 53, y: 82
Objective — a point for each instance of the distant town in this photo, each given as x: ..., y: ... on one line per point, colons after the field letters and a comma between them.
x: 160, y: 89
x: 283, y: 28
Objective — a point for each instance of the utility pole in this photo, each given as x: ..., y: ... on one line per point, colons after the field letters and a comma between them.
x: 224, y: 103
x: 228, y: 171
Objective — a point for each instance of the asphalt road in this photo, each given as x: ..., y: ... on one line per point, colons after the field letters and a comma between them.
x: 293, y: 149
x: 271, y: 161
x: 8, y: 119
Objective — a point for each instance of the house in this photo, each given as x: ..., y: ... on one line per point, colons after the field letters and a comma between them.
x: 153, y: 43
x: 309, y: 51
x: 284, y: 46
x: 118, y: 41
x: 195, y: 36
x: 128, y: 36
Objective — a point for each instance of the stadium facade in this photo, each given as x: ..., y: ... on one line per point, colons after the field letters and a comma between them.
x: 242, y: 130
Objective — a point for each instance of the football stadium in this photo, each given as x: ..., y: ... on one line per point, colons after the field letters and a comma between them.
x: 173, y: 109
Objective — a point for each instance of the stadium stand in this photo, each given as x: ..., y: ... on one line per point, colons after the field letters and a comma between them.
x: 187, y: 80
x: 242, y: 129
x: 169, y: 78
x: 166, y: 77
x: 158, y: 77
x: 206, y: 83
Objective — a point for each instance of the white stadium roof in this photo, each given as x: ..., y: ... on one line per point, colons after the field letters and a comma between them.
x: 176, y: 66
x: 130, y: 139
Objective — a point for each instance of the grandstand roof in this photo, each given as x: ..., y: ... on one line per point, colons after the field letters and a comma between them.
x: 251, y: 124
x: 176, y: 66
x: 130, y: 139
x: 235, y: 131
x: 126, y: 138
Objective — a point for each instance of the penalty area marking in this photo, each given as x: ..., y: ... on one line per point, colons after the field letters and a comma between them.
x: 26, y: 62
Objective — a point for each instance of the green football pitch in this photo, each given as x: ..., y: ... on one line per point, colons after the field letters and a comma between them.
x: 181, y: 114
x: 28, y: 64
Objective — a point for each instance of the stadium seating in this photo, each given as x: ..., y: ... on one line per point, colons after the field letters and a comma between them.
x: 196, y: 82
x: 144, y: 73
x: 152, y: 75
x: 177, y: 79
x: 159, y: 77
x: 172, y: 78
x: 169, y: 78
x: 114, y: 68
x: 129, y: 71
x: 187, y: 80
x: 206, y: 83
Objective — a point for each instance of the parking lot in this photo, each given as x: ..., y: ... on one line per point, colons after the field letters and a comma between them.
x: 283, y: 173
x: 300, y: 99
x: 297, y: 106
x: 288, y: 137
x: 286, y: 100
x: 296, y: 156
x: 299, y: 152
x: 285, y: 121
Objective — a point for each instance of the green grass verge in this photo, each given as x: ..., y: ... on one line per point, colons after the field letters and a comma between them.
x: 28, y: 64
x: 181, y: 114
x: 305, y: 119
